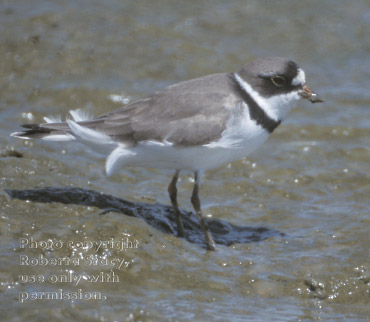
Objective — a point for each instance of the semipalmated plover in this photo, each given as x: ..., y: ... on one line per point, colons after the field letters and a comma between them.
x: 194, y: 125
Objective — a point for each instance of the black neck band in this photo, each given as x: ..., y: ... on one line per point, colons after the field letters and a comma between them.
x: 255, y: 111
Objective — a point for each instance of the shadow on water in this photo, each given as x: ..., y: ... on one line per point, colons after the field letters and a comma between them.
x: 158, y: 216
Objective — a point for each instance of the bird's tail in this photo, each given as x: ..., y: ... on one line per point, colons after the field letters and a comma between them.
x: 45, y: 131
x: 56, y: 130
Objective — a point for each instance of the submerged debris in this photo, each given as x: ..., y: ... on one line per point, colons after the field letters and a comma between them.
x: 10, y: 153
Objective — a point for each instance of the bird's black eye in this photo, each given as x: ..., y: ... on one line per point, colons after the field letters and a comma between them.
x: 278, y: 81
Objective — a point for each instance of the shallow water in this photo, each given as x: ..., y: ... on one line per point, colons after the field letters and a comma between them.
x: 308, y: 186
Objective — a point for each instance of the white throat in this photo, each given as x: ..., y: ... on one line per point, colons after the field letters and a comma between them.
x: 276, y: 107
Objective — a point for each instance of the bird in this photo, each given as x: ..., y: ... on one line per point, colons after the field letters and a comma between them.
x: 194, y: 125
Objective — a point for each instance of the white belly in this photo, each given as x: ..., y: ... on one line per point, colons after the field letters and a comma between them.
x: 236, y: 142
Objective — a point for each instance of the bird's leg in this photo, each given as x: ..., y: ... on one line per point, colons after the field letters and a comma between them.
x: 196, y: 204
x: 172, y: 190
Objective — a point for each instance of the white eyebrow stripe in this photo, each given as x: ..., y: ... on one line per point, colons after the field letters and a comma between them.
x: 300, y: 79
